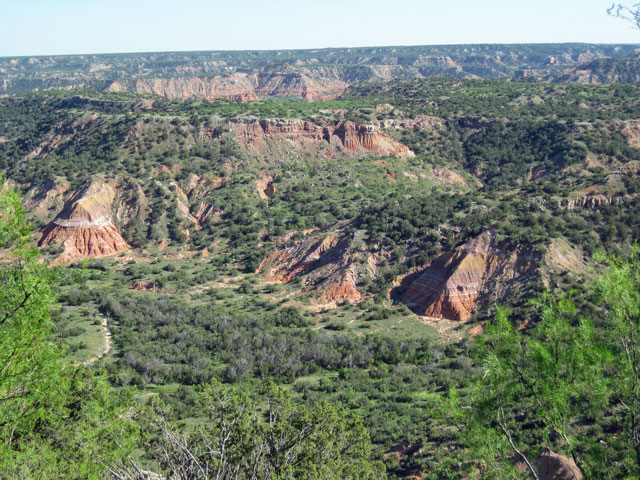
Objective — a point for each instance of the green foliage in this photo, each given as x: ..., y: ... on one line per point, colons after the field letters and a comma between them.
x: 58, y: 420
x: 554, y: 385
x: 273, y: 439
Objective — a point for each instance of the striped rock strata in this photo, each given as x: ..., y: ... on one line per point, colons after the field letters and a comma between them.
x: 453, y: 283
x: 354, y: 138
x: 84, y: 228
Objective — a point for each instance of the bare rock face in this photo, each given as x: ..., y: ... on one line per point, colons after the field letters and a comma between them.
x: 349, y: 136
x: 84, y: 228
x: 257, y: 133
x: 552, y: 466
x: 344, y: 289
x: 144, y: 285
x: 300, y: 85
x: 265, y: 186
x: 368, y: 138
x: 325, y: 262
x: 234, y: 87
x: 448, y: 176
x: 451, y: 285
x: 631, y: 130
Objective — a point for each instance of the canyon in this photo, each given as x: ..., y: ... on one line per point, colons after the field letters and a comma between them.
x: 310, y: 75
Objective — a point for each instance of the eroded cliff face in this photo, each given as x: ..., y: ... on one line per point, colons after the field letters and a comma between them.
x: 450, y: 287
x: 325, y: 262
x: 85, y: 228
x: 345, y: 136
x: 370, y: 139
x: 320, y: 87
x: 257, y: 134
x: 236, y: 86
x: 631, y: 130
x: 233, y: 87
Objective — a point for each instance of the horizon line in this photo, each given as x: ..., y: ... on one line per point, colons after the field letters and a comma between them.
x: 314, y: 49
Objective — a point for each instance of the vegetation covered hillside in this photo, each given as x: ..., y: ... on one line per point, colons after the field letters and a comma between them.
x: 343, y: 251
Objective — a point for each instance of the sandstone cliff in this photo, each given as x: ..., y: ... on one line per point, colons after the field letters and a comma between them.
x: 451, y: 285
x: 350, y: 137
x: 233, y: 87
x: 84, y: 228
x: 368, y: 138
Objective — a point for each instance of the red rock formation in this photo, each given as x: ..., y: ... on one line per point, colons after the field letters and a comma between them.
x: 288, y: 262
x: 344, y: 290
x: 451, y: 285
x: 360, y: 139
x: 367, y: 137
x: 144, y: 285
x: 236, y: 86
x: 326, y: 262
x: 84, y: 227
x: 255, y: 132
x: 300, y: 85
x: 447, y: 175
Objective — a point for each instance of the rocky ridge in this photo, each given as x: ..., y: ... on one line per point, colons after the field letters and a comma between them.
x: 310, y: 75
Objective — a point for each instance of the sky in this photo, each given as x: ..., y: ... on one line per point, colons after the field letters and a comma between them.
x: 57, y: 27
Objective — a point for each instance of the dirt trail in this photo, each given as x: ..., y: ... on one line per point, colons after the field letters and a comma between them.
x: 107, y: 343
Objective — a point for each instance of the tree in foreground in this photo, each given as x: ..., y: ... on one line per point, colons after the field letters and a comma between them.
x: 273, y: 439
x: 629, y: 13
x: 57, y: 420
x: 571, y: 384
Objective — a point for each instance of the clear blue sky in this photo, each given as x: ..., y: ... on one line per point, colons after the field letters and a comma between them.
x: 43, y: 27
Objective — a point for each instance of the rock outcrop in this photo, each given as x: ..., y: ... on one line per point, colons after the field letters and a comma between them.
x: 41, y: 199
x: 325, y: 262
x: 265, y: 187
x: 257, y: 132
x: 448, y: 176
x: 552, y: 466
x: 346, y: 136
x: 592, y: 201
x: 369, y: 138
x: 300, y: 85
x: 311, y: 74
x: 451, y: 285
x: 343, y: 289
x: 84, y: 228
x: 233, y: 87
x: 631, y: 130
